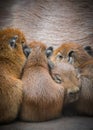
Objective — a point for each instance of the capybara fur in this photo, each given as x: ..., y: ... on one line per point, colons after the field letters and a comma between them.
x: 76, y: 55
x: 61, y: 53
x: 12, y: 60
x: 42, y: 96
x: 83, y: 63
x: 65, y: 74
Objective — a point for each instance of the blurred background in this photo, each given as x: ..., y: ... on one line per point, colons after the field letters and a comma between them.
x: 50, y: 21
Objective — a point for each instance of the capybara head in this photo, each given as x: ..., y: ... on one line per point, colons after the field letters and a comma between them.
x: 11, y: 48
x: 39, y: 53
x: 11, y: 43
x: 65, y: 74
x: 78, y: 57
x: 64, y: 51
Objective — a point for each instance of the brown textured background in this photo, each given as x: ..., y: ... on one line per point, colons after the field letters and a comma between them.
x: 52, y: 22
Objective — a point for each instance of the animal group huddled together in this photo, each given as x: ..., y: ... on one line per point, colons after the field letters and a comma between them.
x: 38, y: 83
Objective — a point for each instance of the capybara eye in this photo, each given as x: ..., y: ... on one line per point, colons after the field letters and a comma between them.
x: 22, y: 42
x: 12, y: 41
x: 59, y: 56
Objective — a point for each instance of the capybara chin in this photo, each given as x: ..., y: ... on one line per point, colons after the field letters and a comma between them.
x: 12, y: 60
x: 42, y: 96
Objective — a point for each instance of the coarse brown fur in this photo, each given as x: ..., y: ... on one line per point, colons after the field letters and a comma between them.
x: 38, y: 44
x: 42, y: 97
x: 11, y: 63
x: 63, y: 51
x: 65, y: 74
x: 83, y: 63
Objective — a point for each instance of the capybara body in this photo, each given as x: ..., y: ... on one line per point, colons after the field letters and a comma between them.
x: 42, y: 96
x: 12, y: 60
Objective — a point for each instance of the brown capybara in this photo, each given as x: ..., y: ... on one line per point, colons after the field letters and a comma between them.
x: 83, y: 64
x: 43, y: 98
x: 12, y: 60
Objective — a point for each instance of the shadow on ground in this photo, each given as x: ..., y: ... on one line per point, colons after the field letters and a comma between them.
x: 64, y: 123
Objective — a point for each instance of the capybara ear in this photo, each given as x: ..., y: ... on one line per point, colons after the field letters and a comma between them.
x: 71, y: 55
x: 49, y: 51
x: 12, y: 41
x: 89, y: 50
x: 26, y: 50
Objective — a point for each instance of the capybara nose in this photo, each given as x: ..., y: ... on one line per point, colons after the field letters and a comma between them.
x: 73, y: 91
x: 73, y: 94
